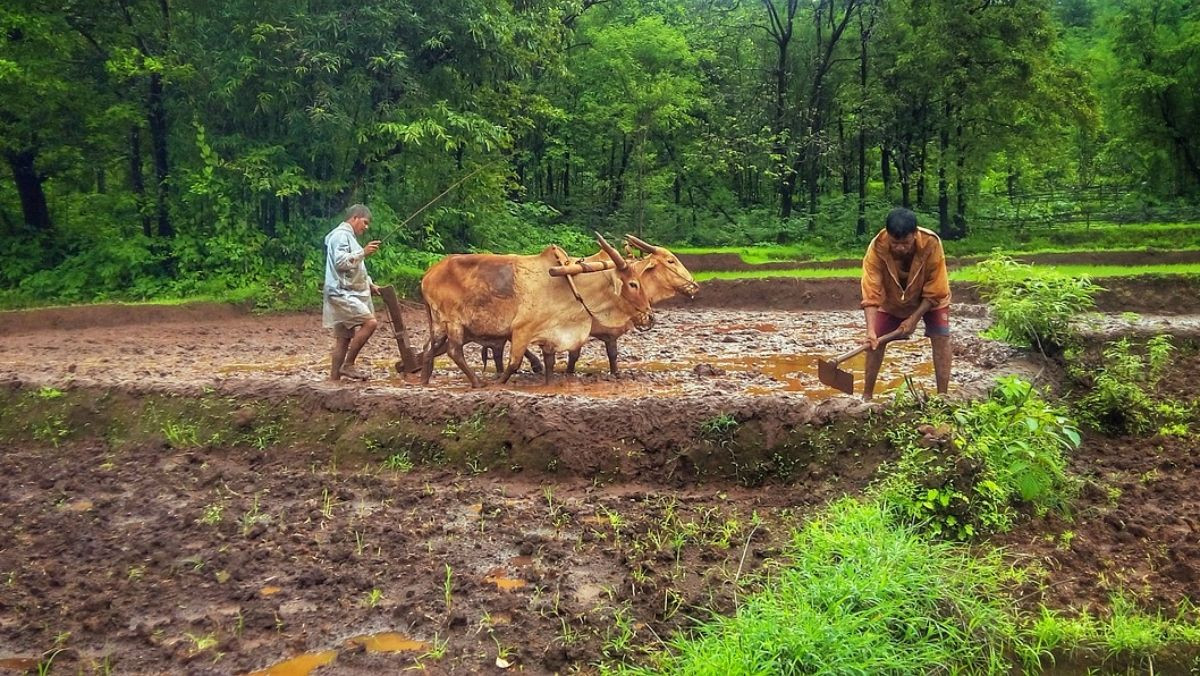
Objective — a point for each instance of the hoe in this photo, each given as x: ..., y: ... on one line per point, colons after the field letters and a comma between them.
x: 831, y: 375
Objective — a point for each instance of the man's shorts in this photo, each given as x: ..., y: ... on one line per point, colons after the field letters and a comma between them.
x: 937, y: 322
x: 346, y: 312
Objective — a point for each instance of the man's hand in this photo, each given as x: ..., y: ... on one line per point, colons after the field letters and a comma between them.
x: 370, y: 248
x: 872, y: 340
x: 374, y: 289
x: 909, y: 325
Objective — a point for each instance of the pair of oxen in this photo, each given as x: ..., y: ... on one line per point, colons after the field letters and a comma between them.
x: 547, y: 300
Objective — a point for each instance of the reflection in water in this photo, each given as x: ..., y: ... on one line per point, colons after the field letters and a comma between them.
x: 298, y: 666
x: 499, y: 578
x: 389, y: 642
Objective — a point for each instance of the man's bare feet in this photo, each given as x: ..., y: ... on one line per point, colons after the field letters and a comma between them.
x: 354, y: 374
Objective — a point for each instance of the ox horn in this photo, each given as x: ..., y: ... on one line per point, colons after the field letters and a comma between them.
x: 641, y: 244
x: 615, y: 255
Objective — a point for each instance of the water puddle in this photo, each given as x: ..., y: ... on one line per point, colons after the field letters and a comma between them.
x: 504, y: 583
x: 298, y: 666
x: 19, y: 664
x: 388, y: 642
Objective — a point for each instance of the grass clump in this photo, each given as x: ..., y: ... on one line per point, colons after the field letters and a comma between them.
x: 1122, y: 634
x: 1120, y: 393
x: 969, y: 470
x: 862, y: 592
x: 1032, y: 308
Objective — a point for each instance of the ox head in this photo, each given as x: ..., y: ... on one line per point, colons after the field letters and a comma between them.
x: 663, y: 274
x: 632, y: 294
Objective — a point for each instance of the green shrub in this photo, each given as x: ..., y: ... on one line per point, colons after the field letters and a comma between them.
x: 968, y: 470
x: 1120, y: 391
x: 1030, y: 307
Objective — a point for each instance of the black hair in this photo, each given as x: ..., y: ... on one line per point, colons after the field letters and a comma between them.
x: 901, y: 222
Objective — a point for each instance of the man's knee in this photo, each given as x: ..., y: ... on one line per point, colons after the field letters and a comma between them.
x: 370, y: 324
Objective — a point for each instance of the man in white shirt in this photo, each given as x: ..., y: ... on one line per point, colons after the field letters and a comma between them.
x: 348, y: 288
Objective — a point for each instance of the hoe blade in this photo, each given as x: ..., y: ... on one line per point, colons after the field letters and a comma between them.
x: 831, y: 375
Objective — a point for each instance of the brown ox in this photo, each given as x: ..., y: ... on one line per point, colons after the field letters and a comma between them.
x: 486, y: 297
x: 663, y: 277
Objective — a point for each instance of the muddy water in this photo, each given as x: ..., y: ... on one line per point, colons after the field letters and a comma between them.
x: 299, y: 666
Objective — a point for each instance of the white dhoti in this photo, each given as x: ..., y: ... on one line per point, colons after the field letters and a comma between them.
x: 349, y: 312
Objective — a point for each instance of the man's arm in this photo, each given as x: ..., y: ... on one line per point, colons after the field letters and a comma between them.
x: 910, y: 323
x: 872, y: 292
x: 341, y: 251
x: 936, y: 289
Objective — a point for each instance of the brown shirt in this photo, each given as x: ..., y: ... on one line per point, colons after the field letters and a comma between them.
x: 886, y: 287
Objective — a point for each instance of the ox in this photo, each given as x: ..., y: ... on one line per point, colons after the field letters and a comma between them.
x: 487, y: 297
x: 663, y: 277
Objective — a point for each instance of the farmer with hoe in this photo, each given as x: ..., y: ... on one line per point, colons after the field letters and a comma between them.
x: 904, y: 280
x: 347, y: 292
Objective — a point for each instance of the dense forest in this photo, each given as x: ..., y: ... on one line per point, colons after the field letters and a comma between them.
x: 157, y: 148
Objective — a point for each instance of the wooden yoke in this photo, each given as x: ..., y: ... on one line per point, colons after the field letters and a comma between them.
x: 581, y: 266
x: 409, y: 361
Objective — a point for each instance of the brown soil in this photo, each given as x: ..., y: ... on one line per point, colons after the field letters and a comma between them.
x: 723, y: 261
x: 144, y: 557
x: 549, y: 527
x: 1146, y: 294
x: 1135, y: 527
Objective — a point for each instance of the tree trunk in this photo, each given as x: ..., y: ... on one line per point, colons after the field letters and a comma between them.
x: 158, y: 141
x: 847, y: 154
x: 566, y: 177
x: 30, y: 189
x: 944, y: 226
x: 864, y: 33
x: 921, y: 174
x: 137, y: 180
x: 885, y: 169
x: 780, y: 29
x: 960, y: 193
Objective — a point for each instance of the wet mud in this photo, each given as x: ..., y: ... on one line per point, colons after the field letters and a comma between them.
x: 169, y: 552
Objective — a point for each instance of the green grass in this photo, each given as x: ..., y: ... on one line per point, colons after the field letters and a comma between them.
x: 967, y: 274
x: 1060, y: 239
x: 861, y: 594
x: 859, y: 591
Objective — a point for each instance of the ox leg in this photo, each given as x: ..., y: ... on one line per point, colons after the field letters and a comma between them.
x: 437, y: 345
x: 515, y: 355
x: 455, y: 349
x: 535, y: 364
x: 548, y: 356
x: 610, y: 348
x: 498, y: 357
x: 572, y: 357
x: 484, y: 352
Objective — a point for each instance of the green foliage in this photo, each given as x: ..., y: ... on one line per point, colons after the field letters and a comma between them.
x: 1120, y: 391
x: 1031, y: 307
x: 967, y: 471
x: 1124, y: 631
x: 860, y: 592
x: 719, y: 429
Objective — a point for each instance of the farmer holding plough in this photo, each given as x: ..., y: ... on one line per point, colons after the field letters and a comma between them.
x: 904, y: 280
